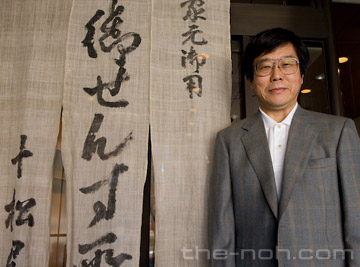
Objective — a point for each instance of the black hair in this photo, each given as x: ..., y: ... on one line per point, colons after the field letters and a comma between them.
x: 267, y: 41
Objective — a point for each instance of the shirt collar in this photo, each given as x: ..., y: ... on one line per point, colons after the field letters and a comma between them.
x: 268, y: 122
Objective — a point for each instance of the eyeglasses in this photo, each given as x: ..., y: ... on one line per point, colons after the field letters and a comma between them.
x: 287, y: 66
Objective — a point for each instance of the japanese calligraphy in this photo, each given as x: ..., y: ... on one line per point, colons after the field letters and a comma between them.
x: 88, y: 41
x: 193, y: 58
x: 109, y: 259
x: 106, y: 239
x: 17, y: 245
x: 110, y: 29
x: 194, y: 10
x: 101, y: 212
x: 92, y: 144
x: 110, y: 38
x: 19, y: 209
x: 191, y: 36
x: 22, y: 154
x: 23, y: 208
x: 194, y: 84
x: 194, y: 35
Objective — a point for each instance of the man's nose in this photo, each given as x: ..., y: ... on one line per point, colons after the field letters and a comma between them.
x: 276, y: 73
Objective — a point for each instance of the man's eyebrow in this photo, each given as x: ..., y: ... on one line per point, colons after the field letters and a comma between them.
x: 276, y: 58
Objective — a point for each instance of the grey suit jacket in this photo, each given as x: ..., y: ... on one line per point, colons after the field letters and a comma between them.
x: 316, y: 222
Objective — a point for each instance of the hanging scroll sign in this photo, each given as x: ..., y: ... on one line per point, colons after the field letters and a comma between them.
x: 194, y: 11
x: 110, y: 38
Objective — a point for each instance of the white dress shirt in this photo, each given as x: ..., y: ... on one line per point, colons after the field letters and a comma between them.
x: 277, y: 135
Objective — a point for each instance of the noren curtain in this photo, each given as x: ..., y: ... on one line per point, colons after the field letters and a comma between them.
x: 115, y: 67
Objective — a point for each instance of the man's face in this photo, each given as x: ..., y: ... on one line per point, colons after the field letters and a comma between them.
x: 278, y: 91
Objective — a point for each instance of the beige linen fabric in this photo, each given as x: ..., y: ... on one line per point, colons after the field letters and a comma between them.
x: 105, y: 135
x: 114, y: 198
x: 183, y: 128
x: 32, y: 54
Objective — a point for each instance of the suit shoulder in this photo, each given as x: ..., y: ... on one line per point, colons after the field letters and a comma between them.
x: 323, y: 119
x: 328, y: 125
x: 235, y: 128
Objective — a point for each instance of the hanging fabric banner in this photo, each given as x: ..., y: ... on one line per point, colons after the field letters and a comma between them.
x: 32, y: 55
x: 190, y: 101
x: 105, y: 129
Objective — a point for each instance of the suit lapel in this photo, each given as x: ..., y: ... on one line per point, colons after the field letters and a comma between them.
x: 257, y: 149
x: 301, y: 139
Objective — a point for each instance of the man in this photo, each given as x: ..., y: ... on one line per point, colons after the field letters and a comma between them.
x: 285, y: 187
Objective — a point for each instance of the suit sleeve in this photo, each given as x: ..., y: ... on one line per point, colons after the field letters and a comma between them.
x: 348, y: 158
x: 221, y: 212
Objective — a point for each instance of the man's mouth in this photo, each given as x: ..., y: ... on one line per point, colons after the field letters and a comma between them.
x: 277, y: 90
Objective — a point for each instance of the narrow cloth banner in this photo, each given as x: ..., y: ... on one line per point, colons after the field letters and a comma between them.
x: 105, y: 129
x: 190, y: 101
x: 32, y: 55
